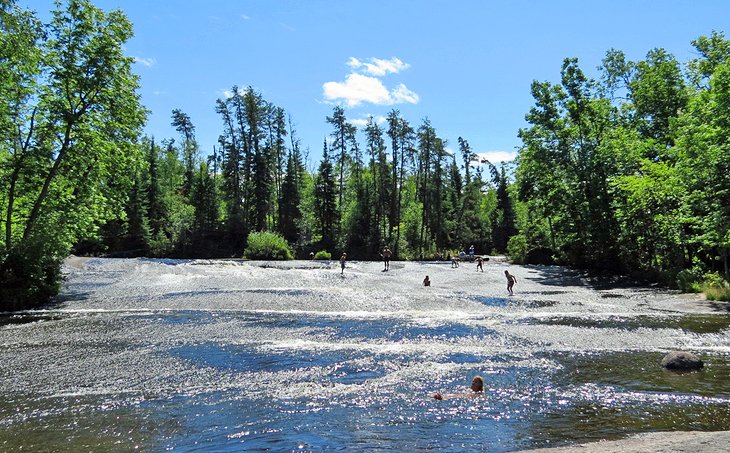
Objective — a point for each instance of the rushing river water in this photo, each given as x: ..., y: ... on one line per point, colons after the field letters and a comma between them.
x: 154, y: 355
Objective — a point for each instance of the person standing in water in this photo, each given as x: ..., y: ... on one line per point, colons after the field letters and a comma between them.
x: 426, y: 281
x: 386, y: 258
x: 511, y: 280
x: 343, y: 260
x: 480, y: 261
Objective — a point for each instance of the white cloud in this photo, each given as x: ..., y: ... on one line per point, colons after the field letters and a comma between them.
x: 229, y: 94
x: 496, y: 157
x: 244, y: 17
x: 358, y: 88
x: 149, y: 62
x: 362, y: 122
x: 401, y: 94
x: 378, y: 67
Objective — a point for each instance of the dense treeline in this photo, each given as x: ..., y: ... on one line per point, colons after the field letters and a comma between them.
x: 628, y: 172
x: 363, y: 195
x: 631, y: 171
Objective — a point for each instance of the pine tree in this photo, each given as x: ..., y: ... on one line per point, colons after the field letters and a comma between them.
x: 325, y: 201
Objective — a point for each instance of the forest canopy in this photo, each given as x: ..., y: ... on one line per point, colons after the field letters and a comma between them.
x: 627, y: 171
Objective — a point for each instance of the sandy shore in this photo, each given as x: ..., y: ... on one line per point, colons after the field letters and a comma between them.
x: 679, y: 441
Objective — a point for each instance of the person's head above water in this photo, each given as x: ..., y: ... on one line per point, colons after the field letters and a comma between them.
x: 477, y: 384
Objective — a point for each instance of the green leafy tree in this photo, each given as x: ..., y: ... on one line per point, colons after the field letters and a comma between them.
x: 79, y: 121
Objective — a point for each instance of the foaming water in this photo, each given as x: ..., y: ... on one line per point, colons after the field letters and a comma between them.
x: 233, y: 355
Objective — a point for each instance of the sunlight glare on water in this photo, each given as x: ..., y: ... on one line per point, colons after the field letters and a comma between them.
x: 292, y: 356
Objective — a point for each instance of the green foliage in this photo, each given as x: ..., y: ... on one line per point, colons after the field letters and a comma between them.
x: 77, y: 112
x: 517, y: 248
x: 323, y: 255
x: 267, y: 246
x: 631, y: 172
x: 690, y: 280
x: 30, y: 273
x: 715, y: 287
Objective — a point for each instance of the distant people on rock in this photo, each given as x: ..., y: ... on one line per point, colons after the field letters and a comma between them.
x: 311, y: 255
x: 511, y: 280
x: 386, y: 258
x: 480, y: 261
x: 475, y: 389
x: 454, y: 261
x: 426, y: 281
x: 462, y: 255
x: 471, y: 252
x: 343, y: 260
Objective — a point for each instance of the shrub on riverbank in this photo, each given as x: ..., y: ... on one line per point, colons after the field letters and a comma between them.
x: 29, y: 276
x: 323, y: 255
x: 716, y: 288
x: 267, y: 246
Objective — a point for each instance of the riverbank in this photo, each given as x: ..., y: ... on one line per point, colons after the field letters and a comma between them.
x: 660, y: 442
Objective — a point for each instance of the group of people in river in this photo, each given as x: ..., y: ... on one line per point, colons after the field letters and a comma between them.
x: 387, y: 254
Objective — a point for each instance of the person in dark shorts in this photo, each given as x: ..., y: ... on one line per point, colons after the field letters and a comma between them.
x: 480, y: 261
x: 343, y: 260
x: 426, y: 281
x: 386, y: 258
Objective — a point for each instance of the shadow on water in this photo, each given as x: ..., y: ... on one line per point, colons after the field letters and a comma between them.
x: 697, y: 323
x: 642, y: 372
x: 720, y: 306
x: 507, y: 302
x: 7, y: 319
x: 610, y: 396
x: 562, y: 276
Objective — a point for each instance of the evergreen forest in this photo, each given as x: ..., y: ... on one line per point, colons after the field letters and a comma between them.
x: 625, y: 169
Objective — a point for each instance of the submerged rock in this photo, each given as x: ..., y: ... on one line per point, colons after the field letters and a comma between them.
x: 682, y: 361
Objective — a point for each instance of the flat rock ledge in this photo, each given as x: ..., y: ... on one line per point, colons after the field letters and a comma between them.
x: 682, y: 361
x: 678, y: 441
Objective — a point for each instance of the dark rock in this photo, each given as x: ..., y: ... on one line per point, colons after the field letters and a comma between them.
x: 682, y: 361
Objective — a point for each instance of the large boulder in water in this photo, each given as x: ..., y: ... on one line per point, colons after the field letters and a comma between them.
x: 682, y: 361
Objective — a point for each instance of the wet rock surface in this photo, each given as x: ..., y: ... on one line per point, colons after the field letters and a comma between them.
x: 682, y: 361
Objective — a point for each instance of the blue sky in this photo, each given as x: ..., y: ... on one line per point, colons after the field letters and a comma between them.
x: 465, y: 65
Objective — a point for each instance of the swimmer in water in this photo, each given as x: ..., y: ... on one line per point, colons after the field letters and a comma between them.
x: 476, y: 389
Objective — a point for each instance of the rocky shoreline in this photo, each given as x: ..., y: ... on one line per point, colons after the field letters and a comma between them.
x: 678, y: 441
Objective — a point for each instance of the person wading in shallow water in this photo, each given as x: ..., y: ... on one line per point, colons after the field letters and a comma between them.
x: 511, y: 280
x: 426, y: 281
x: 480, y: 261
x: 477, y: 388
x: 343, y: 260
x: 386, y: 258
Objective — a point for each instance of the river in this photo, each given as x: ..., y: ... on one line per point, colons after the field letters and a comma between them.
x: 199, y: 355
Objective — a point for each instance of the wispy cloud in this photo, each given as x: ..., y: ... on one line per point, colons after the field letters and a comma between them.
x: 229, y: 94
x: 378, y: 67
x: 245, y: 17
x: 287, y: 27
x: 497, y: 156
x: 364, y: 85
x: 149, y: 62
x: 362, y: 122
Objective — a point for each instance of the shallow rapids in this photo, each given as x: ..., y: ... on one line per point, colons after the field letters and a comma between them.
x: 292, y: 356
